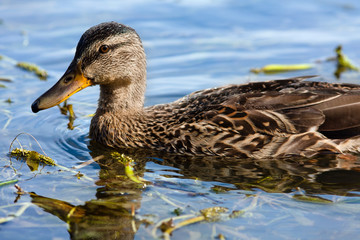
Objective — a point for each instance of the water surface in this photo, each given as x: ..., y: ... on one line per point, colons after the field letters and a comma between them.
x: 190, y: 45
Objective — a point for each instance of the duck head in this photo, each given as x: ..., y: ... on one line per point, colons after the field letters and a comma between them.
x: 110, y: 55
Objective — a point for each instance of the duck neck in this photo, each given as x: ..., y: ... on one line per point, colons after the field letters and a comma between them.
x: 122, y: 100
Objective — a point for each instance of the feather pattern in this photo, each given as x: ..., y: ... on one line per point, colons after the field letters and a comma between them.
x: 263, y: 119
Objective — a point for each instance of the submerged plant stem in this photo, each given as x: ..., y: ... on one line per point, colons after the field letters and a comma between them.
x: 156, y: 227
x: 8, y: 115
x: 16, y: 214
x: 84, y: 164
x: 163, y: 197
x: 182, y: 224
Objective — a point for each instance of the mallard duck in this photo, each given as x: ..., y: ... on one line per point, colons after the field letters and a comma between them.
x: 257, y: 120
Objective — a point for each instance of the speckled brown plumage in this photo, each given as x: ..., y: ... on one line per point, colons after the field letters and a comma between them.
x: 261, y: 119
x: 275, y: 118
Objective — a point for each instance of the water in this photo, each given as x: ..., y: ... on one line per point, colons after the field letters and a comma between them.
x: 190, y: 45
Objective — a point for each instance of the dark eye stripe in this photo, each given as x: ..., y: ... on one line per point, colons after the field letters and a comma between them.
x: 95, y: 55
x: 119, y: 45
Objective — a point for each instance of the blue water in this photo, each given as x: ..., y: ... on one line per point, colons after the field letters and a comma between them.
x: 190, y: 45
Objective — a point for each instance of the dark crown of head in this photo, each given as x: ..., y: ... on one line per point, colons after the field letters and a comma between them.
x: 100, y: 32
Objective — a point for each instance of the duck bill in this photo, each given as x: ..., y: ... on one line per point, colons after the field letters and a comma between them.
x: 72, y: 82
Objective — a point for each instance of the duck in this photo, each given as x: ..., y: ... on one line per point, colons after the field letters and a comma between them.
x: 270, y: 119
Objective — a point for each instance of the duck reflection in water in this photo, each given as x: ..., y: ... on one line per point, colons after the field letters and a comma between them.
x: 112, y: 215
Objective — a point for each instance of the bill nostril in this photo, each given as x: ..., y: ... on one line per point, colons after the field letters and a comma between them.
x: 68, y: 79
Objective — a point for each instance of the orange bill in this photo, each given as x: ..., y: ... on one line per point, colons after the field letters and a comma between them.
x: 72, y: 82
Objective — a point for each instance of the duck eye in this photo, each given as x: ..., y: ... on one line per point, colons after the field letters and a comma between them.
x: 104, y: 49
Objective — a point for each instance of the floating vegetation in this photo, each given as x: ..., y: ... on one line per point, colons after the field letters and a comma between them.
x: 8, y: 182
x: 42, y: 74
x: 166, y: 225
x: 220, y: 237
x: 220, y: 189
x: 128, y: 163
x: 312, y: 199
x: 343, y: 62
x: 79, y: 175
x: 65, y: 109
x: 19, y: 191
x: 30, y: 154
x: 236, y: 213
x: 129, y: 171
x: 33, y: 158
x: 169, y: 228
x: 2, y: 79
x: 9, y: 100
x: 90, y: 115
x: 121, y: 157
x: 211, y: 214
x: 71, y: 117
x: 277, y: 68
x: 177, y: 211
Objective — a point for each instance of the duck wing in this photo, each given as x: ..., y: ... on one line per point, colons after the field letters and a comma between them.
x: 288, y: 106
x: 261, y: 119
